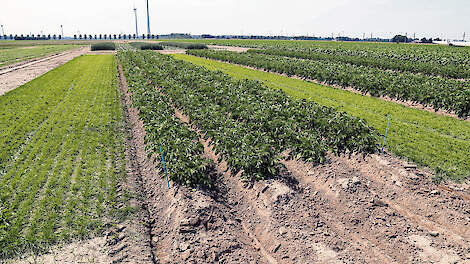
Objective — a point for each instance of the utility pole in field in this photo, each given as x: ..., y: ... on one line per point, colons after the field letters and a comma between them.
x: 462, y: 38
x: 62, y: 30
x: 3, y: 32
x: 136, y: 29
x: 148, y: 18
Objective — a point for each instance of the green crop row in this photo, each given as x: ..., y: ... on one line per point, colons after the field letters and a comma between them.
x: 440, y: 93
x: 146, y: 46
x: 63, y: 156
x: 439, y: 142
x: 103, y: 46
x: 184, y: 45
x: 165, y: 133
x: 434, y: 55
x: 249, y: 124
x: 13, y: 54
x: 381, y: 62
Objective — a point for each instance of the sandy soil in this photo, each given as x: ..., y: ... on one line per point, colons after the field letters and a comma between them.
x: 229, y: 48
x: 351, y: 209
x: 102, y: 52
x: 18, y: 75
x: 172, y: 51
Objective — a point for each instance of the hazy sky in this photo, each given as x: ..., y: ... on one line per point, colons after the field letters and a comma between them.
x: 436, y: 18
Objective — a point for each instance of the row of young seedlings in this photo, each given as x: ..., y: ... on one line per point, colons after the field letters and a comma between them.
x: 62, y: 184
x: 250, y: 125
x: 438, y: 92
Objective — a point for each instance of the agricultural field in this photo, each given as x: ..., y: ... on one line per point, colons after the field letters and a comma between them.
x: 271, y: 154
x: 431, y: 140
x: 62, y: 157
x: 428, y: 59
x: 11, y: 54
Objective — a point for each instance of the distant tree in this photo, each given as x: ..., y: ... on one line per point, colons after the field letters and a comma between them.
x: 49, y: 36
x: 85, y: 36
x: 11, y: 36
x: 54, y: 37
x: 101, y: 37
x: 60, y: 36
x: 74, y: 36
x: 124, y: 36
x: 119, y: 36
x: 399, y: 38
x: 424, y: 40
x: 143, y: 36
x: 90, y: 37
x: 437, y: 39
x: 105, y: 36
x: 133, y: 36
x: 80, y: 36
x: 114, y: 36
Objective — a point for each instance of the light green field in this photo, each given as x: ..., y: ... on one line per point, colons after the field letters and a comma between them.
x: 15, y: 54
x: 62, y: 155
x: 435, y: 141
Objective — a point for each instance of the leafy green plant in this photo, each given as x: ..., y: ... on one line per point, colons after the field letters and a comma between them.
x: 438, y: 92
x: 146, y: 46
x: 103, y: 46
x: 250, y: 125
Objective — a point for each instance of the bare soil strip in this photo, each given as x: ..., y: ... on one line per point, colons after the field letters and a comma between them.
x: 16, y: 76
x: 229, y: 48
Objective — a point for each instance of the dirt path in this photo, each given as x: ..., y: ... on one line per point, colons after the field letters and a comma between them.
x: 229, y: 48
x: 374, y: 209
x: 350, y: 210
x: 15, y: 76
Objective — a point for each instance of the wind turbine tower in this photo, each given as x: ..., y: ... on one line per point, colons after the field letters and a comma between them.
x: 148, y: 18
x: 136, y: 29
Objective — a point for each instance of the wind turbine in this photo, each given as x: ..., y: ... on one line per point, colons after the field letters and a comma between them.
x: 135, y: 14
x: 148, y: 18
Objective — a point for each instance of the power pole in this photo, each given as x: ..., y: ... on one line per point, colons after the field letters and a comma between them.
x: 3, y: 32
x: 62, y: 30
x: 462, y: 39
x: 136, y: 29
x: 148, y: 18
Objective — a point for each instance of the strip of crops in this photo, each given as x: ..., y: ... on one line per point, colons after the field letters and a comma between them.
x: 146, y: 46
x: 436, y: 55
x: 439, y: 142
x: 382, y: 61
x: 249, y: 124
x: 440, y: 93
x: 181, y: 146
x: 103, y: 46
x: 184, y: 45
x: 61, y: 156
x: 15, y: 54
